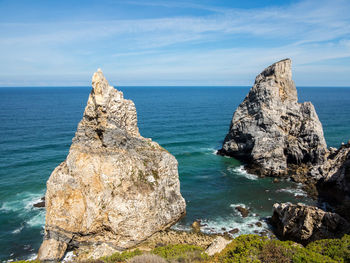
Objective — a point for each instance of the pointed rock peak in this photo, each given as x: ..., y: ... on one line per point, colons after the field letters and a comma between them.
x: 281, y: 69
x: 279, y: 75
x: 99, y: 83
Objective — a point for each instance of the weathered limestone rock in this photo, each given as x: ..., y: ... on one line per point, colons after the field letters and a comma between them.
x: 217, y: 246
x: 270, y: 130
x: 304, y: 224
x: 115, y: 187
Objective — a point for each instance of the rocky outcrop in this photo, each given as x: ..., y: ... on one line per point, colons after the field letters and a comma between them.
x: 271, y: 131
x: 304, y: 224
x: 115, y: 187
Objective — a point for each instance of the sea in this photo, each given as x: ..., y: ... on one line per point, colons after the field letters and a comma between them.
x: 37, y: 125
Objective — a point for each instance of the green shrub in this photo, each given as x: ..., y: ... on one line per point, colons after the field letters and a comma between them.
x: 337, y: 249
x: 272, y: 252
x: 120, y: 257
x: 253, y: 248
x: 181, y: 253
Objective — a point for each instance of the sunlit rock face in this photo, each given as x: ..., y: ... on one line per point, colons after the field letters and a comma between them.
x: 270, y: 130
x: 115, y: 187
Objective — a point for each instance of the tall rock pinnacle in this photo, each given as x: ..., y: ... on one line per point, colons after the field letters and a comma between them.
x: 115, y: 187
x: 270, y: 130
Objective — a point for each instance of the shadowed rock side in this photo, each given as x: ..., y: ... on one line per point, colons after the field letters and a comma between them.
x: 334, y: 183
x: 271, y: 131
x: 115, y: 188
x: 303, y: 224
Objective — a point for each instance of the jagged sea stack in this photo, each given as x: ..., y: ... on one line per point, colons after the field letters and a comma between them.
x: 271, y: 131
x: 115, y: 187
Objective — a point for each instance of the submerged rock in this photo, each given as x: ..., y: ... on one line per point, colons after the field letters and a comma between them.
x: 303, y: 224
x: 196, y: 226
x: 115, y: 187
x: 270, y: 130
x: 41, y: 203
x: 243, y: 211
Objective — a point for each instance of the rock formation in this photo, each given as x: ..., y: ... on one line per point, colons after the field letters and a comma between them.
x: 304, y: 224
x: 115, y: 187
x: 271, y: 131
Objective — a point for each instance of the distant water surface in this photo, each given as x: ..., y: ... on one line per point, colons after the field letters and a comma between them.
x: 37, y: 125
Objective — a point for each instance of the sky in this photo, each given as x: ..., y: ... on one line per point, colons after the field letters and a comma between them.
x: 153, y: 42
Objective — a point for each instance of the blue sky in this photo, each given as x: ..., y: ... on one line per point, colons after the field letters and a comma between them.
x: 141, y: 42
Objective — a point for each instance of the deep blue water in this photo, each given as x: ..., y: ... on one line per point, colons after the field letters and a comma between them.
x: 37, y: 125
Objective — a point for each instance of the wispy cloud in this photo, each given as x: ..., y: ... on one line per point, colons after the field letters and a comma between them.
x: 228, y: 46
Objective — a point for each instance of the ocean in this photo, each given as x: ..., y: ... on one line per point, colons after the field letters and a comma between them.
x: 37, y: 125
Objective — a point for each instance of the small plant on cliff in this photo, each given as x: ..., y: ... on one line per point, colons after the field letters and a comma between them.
x: 181, y: 253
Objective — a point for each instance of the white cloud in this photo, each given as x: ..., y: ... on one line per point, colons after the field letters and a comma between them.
x: 228, y: 46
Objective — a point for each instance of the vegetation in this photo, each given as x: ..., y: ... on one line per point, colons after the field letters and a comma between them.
x: 245, y: 248
x: 121, y: 257
x: 181, y: 253
x: 337, y: 249
x: 253, y: 248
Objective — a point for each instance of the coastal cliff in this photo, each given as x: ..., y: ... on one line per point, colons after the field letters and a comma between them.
x: 115, y: 188
x: 270, y: 131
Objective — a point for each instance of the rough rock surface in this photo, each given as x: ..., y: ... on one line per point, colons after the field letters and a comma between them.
x: 334, y: 185
x: 115, y: 187
x: 336, y: 170
x: 304, y: 224
x: 217, y: 246
x: 270, y: 130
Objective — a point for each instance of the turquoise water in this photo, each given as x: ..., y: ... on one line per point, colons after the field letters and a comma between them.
x: 37, y: 125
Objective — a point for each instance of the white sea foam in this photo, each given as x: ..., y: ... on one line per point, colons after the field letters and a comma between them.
x: 242, y: 172
x: 17, y: 230
x: 220, y: 225
x: 21, y: 202
x: 32, y: 257
x: 293, y: 191
x: 37, y: 220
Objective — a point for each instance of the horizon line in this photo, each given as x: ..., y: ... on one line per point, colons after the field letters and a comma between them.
x: 165, y: 86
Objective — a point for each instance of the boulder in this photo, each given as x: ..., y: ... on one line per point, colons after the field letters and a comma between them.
x: 271, y: 131
x: 304, y: 224
x: 115, y: 187
x: 217, y: 246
